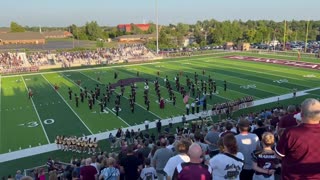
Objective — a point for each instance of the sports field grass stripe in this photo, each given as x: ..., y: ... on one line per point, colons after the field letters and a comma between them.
x: 270, y: 71
x: 283, y: 70
x: 18, y: 115
x: 296, y: 74
x: 98, y: 101
x: 95, y: 121
x: 281, y: 56
x: 309, y: 82
x: 238, y: 77
x: 45, y: 133
x: 68, y: 105
x: 264, y: 67
x: 124, y: 97
x: 50, y: 106
x: 258, y: 76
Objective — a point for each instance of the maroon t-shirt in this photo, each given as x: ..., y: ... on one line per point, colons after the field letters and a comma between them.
x: 287, y: 121
x: 274, y: 121
x: 192, y: 171
x: 88, y: 172
x: 300, y: 152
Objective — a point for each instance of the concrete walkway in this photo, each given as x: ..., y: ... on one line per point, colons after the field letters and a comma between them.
x: 104, y: 135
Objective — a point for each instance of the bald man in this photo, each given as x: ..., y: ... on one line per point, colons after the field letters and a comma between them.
x: 88, y: 172
x: 194, y: 169
x: 299, y: 146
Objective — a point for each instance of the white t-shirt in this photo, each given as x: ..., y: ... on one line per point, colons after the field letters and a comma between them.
x: 173, y: 163
x: 170, y: 146
x: 225, y: 167
x: 148, y: 173
x: 146, y: 122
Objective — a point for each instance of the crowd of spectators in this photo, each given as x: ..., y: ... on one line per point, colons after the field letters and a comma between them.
x: 273, y: 143
x: 10, y: 62
x: 123, y: 52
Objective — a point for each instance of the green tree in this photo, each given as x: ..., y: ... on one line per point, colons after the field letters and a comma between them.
x: 135, y: 29
x: 183, y: 29
x: 15, y: 27
x: 93, y: 31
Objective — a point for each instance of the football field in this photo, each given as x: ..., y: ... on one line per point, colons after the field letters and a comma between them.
x: 37, y: 121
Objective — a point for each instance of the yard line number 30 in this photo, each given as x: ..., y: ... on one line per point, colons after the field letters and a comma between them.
x: 35, y: 123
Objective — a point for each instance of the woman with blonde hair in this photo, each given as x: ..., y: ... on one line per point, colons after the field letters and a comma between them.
x: 110, y: 173
x: 265, y: 160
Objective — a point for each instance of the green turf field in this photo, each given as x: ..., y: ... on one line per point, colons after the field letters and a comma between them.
x: 28, y: 123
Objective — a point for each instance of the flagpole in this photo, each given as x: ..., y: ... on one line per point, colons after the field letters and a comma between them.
x: 284, y: 35
x: 157, y: 27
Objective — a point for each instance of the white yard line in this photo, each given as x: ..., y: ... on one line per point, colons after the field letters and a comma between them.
x: 101, y: 136
x: 68, y: 105
x: 97, y: 100
x: 124, y: 97
x: 45, y: 133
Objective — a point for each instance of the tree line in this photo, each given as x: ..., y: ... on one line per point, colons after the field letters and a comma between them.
x: 207, y: 32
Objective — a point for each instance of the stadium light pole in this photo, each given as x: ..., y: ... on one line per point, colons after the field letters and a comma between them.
x: 307, y: 33
x: 157, y: 27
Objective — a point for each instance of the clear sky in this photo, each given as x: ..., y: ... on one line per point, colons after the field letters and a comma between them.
x: 113, y: 12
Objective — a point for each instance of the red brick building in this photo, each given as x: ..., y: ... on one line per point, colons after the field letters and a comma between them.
x: 127, y: 27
